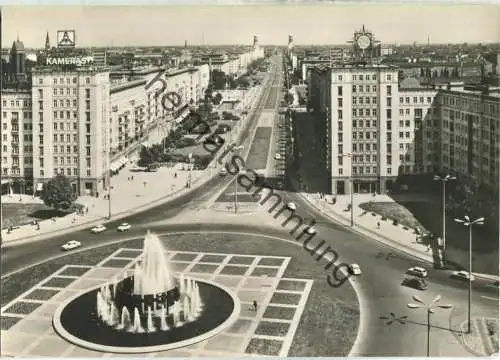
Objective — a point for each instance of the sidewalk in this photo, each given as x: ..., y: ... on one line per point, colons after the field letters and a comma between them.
x: 145, y: 190
x: 366, y: 224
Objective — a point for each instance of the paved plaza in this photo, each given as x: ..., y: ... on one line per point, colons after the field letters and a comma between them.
x: 269, y: 331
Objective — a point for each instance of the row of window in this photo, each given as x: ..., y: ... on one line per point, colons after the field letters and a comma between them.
x: 17, y: 103
x: 60, y: 92
x: 470, y: 105
x: 69, y: 103
x: 15, y: 115
x: 64, y: 80
x: 416, y: 100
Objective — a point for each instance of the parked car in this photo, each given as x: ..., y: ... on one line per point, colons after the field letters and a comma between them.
x: 277, y: 156
x: 291, y: 206
x: 223, y: 172
x: 216, y: 140
x: 462, y: 275
x: 310, y: 230
x: 415, y: 283
x: 124, y: 227
x: 98, y: 229
x: 70, y: 245
x: 417, y: 271
x: 354, y: 269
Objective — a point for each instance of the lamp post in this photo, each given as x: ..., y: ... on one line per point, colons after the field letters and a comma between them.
x: 190, y: 157
x: 468, y: 223
x: 235, y: 150
x: 430, y: 310
x: 349, y: 155
x: 444, y: 180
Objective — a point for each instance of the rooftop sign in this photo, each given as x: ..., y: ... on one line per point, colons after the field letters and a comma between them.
x: 66, y: 39
x: 77, y: 61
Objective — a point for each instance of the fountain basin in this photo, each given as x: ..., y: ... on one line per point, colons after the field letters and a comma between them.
x: 76, y: 320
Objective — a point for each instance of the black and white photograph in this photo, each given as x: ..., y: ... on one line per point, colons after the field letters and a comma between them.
x: 344, y: 157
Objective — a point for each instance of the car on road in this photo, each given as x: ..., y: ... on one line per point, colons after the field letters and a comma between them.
x: 310, y: 230
x: 415, y: 283
x: 124, y: 227
x: 223, y: 172
x: 277, y: 156
x: 291, y: 206
x: 417, y: 271
x: 70, y: 245
x: 462, y: 275
x: 98, y: 229
x: 354, y: 269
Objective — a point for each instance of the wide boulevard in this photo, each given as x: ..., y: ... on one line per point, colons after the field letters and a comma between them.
x: 379, y: 287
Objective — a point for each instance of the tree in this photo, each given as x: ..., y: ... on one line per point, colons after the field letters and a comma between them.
x: 146, y: 157
x: 218, y: 80
x: 58, y: 193
x: 217, y: 99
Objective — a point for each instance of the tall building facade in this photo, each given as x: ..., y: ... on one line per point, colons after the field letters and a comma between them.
x: 71, y: 113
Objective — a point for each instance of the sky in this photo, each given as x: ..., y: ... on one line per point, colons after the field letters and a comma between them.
x: 150, y: 25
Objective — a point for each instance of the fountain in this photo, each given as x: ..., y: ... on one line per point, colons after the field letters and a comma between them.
x: 151, y: 287
x: 146, y: 309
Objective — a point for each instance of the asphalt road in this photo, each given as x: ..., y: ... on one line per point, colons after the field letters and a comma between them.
x: 379, y: 284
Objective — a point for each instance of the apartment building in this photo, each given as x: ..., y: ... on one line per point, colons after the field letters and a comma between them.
x: 17, y: 135
x: 71, y: 112
x: 379, y: 129
x: 470, y: 133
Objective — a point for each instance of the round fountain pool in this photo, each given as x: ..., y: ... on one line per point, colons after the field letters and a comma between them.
x: 78, y: 321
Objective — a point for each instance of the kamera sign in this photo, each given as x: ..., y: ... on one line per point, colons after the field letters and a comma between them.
x: 76, y: 61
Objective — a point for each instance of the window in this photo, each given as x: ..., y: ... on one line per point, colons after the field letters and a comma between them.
x: 340, y: 125
x: 87, y: 104
x: 340, y: 78
x: 55, y: 103
x: 340, y: 137
x: 374, y: 88
x: 354, y: 112
x: 401, y: 100
x: 361, y: 100
x: 374, y: 112
x: 407, y: 100
x: 339, y: 114
x: 354, y: 123
x: 389, y: 171
x: 341, y: 171
x: 389, y: 125
x: 367, y: 100
x: 401, y: 112
x: 354, y: 88
x: 354, y: 100
x: 87, y: 93
x: 415, y: 100
x: 361, y: 77
x: 429, y: 99
x: 407, y: 111
x: 389, y: 77
x: 339, y: 100
x: 40, y: 81
x: 360, y: 88
x: 401, y: 135
x: 389, y: 113
x: 389, y: 159
x: 374, y: 77
x: 389, y: 88
x: 367, y: 88
x: 339, y: 91
x: 407, y: 134
x: 389, y: 102
x: 421, y: 100
x: 55, y: 126
x: 340, y: 160
x: 87, y: 80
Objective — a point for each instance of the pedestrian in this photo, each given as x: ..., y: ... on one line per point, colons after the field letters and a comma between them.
x: 255, y: 305
x: 378, y: 225
x: 175, y: 175
x: 132, y: 177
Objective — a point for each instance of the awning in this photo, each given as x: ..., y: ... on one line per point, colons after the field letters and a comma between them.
x: 5, y: 181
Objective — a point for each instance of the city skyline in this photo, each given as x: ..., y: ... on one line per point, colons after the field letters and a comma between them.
x: 208, y: 25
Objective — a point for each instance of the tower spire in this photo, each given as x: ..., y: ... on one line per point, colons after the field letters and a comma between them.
x: 47, y: 41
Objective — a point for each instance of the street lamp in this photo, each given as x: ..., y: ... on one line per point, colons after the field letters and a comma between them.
x: 190, y: 157
x: 349, y: 155
x: 444, y: 180
x: 430, y: 310
x: 468, y: 223
x: 234, y: 150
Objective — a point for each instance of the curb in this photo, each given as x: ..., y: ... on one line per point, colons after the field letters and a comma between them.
x: 359, y: 229
x: 140, y: 208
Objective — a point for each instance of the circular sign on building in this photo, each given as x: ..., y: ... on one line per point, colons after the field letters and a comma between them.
x: 363, y: 42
